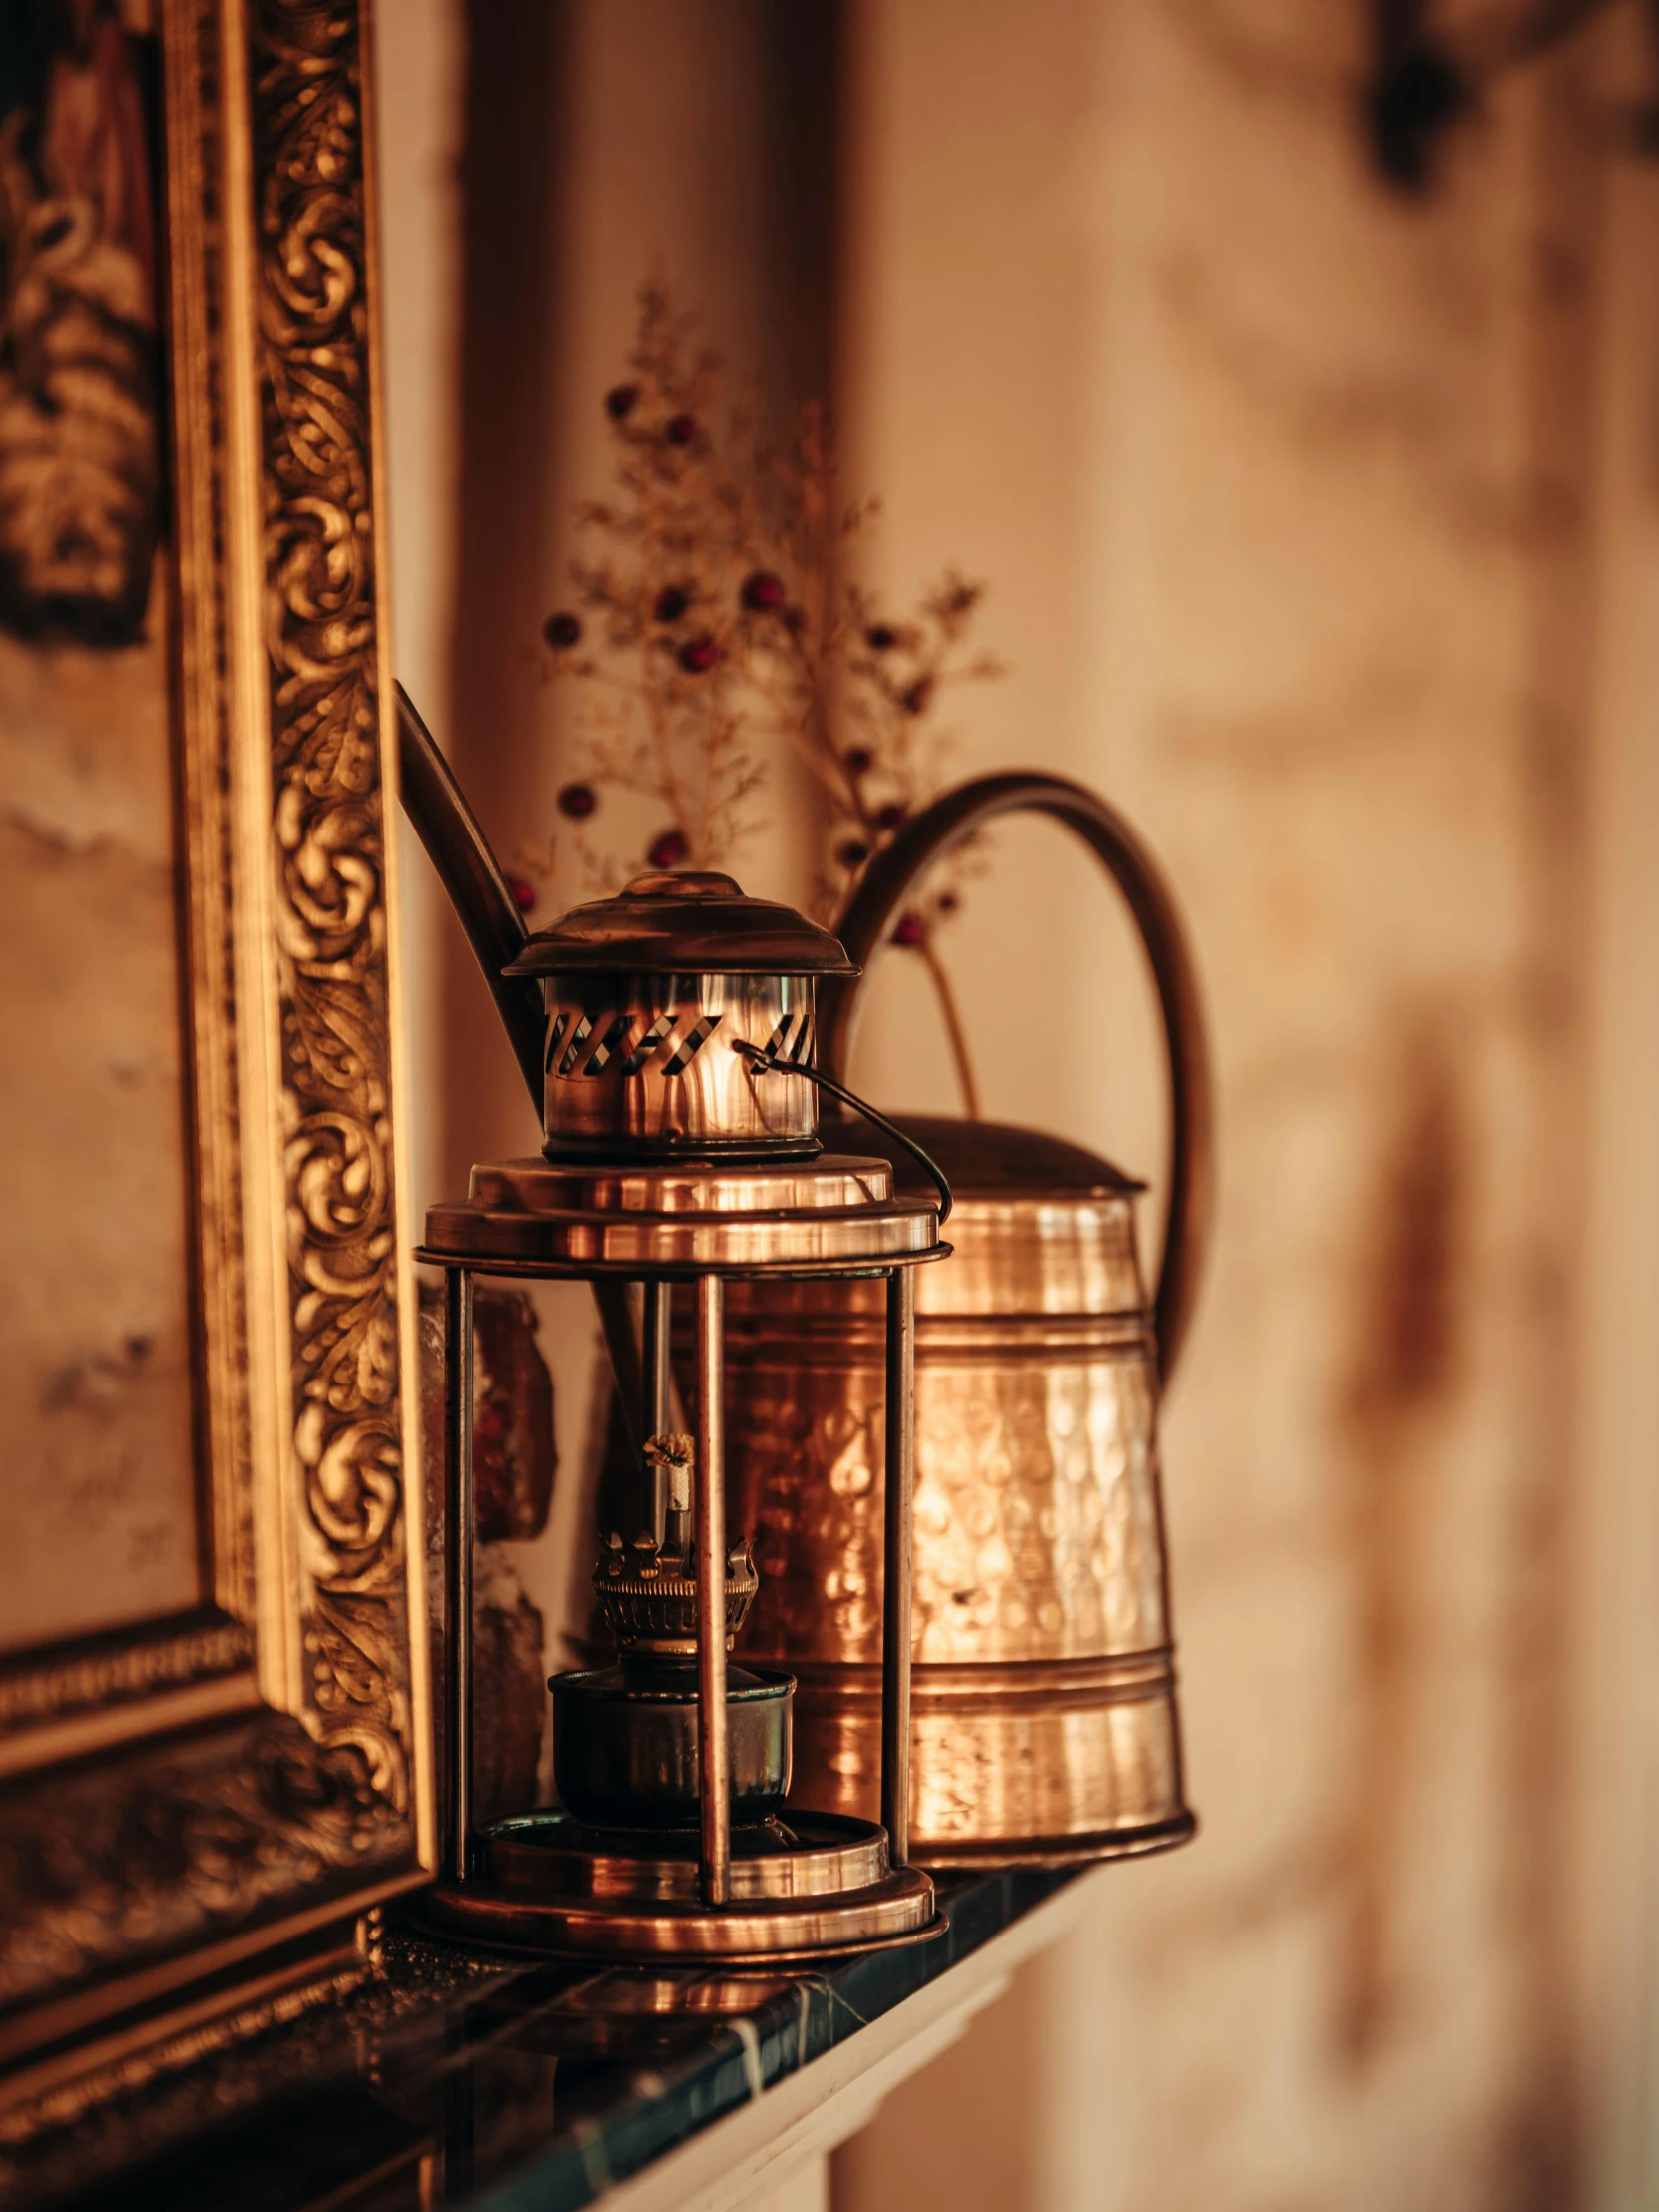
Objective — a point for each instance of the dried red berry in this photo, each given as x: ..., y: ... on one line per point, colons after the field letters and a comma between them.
x: 562, y: 631
x: 915, y: 699
x: 680, y: 430
x: 671, y: 603
x: 621, y: 400
x: 578, y: 801
x: 880, y: 637
x: 524, y: 893
x: 859, y: 760
x: 762, y: 592
x: 853, y: 854
x: 910, y: 931
x: 698, y: 654
x: 892, y: 815
x: 668, y: 849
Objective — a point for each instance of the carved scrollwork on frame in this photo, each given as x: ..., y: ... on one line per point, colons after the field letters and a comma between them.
x: 329, y: 830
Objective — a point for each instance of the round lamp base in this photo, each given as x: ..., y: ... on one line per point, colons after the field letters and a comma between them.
x: 815, y: 1887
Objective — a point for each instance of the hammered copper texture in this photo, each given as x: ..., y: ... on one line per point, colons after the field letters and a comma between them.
x: 1043, y: 1688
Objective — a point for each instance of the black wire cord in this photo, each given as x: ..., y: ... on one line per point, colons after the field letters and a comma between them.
x: 764, y: 1062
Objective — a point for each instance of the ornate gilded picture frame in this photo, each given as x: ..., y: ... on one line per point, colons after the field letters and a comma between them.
x: 212, y: 1701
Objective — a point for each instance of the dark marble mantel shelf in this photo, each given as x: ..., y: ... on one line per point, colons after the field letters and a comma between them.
x: 450, y: 2080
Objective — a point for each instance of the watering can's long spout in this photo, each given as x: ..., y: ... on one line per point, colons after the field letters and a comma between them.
x: 467, y: 869
x: 487, y: 912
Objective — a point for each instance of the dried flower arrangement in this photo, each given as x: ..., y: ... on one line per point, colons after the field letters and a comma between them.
x: 714, y: 623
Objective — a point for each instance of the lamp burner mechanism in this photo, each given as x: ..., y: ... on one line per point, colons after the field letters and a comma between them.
x: 648, y: 1594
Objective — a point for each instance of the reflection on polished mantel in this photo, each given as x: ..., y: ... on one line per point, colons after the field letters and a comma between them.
x: 452, y: 2079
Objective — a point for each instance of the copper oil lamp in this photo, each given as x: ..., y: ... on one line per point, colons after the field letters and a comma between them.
x: 681, y: 1153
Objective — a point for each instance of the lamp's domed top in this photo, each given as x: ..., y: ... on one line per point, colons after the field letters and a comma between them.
x: 686, y: 923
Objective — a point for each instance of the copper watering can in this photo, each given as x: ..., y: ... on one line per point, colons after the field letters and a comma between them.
x: 1044, y: 1722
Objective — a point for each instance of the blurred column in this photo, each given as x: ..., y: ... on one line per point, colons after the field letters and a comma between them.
x: 974, y: 385
x: 419, y: 70
x: 1615, y: 1778
x: 608, y: 142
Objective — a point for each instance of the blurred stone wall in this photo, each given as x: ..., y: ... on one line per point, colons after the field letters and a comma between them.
x: 1283, y: 487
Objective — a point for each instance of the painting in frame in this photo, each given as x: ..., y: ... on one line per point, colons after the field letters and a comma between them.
x: 213, y: 1698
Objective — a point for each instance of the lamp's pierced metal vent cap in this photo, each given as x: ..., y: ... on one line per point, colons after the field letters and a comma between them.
x: 683, y: 923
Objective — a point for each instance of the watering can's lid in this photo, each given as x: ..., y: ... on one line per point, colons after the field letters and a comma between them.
x: 1039, y: 1227
x: 995, y: 1160
x: 685, y: 923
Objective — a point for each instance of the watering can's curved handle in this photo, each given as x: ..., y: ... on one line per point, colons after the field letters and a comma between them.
x: 892, y: 877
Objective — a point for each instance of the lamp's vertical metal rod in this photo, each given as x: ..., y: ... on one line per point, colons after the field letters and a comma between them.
x: 901, y: 1544
x: 458, y: 1462
x: 712, y: 1759
x: 656, y: 1418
